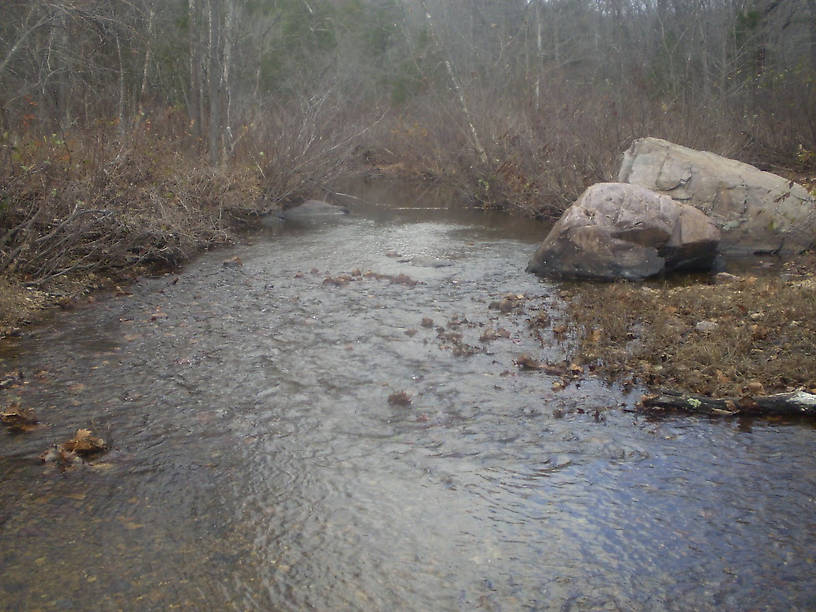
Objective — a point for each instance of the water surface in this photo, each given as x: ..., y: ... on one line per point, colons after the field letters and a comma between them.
x: 257, y: 463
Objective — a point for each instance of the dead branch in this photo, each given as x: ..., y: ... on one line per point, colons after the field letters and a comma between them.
x: 797, y: 403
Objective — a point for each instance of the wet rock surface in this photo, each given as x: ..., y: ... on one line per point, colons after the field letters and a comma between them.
x: 312, y: 209
x: 756, y: 211
x: 616, y: 230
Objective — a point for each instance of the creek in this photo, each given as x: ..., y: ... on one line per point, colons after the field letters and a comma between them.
x: 256, y: 462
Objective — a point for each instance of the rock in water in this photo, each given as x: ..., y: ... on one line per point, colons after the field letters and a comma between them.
x: 424, y: 261
x: 312, y: 209
x: 758, y: 212
x: 617, y: 230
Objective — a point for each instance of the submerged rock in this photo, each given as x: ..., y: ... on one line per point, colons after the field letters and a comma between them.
x: 617, y: 230
x: 757, y: 212
x: 312, y: 209
x: 399, y: 398
x: 706, y: 327
x: 426, y: 261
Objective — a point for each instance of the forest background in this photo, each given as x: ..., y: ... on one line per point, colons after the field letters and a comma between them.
x: 137, y: 132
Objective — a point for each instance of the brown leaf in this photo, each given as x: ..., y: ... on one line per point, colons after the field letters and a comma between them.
x: 19, y: 419
x: 400, y: 398
x: 647, y: 399
x: 525, y: 362
x: 493, y: 334
x: 83, y: 443
x: 755, y: 388
x: 232, y: 262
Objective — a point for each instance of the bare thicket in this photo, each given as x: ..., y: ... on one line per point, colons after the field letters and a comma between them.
x: 127, y: 127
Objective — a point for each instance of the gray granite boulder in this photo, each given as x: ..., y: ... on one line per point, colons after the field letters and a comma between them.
x: 617, y: 230
x: 757, y: 212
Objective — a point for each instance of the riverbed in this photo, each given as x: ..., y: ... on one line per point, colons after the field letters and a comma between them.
x: 335, y: 421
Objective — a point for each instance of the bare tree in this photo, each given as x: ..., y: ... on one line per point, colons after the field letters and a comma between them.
x: 195, y: 99
x: 457, y: 86
x: 214, y: 78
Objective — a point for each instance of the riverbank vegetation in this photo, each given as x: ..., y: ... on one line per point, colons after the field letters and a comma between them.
x: 134, y: 134
x: 736, y: 336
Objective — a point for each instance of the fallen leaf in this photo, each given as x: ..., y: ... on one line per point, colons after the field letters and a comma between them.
x: 525, y: 362
x: 400, y: 398
x: 755, y: 387
x: 83, y: 443
x: 129, y: 524
x: 19, y: 419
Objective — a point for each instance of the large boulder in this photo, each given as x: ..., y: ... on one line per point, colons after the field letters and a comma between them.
x: 758, y: 212
x: 617, y: 230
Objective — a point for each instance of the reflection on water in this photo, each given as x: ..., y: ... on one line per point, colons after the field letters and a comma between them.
x: 257, y: 463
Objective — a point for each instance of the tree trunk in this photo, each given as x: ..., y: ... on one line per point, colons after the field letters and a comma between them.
x: 798, y: 403
x: 214, y: 77
x: 54, y: 72
x: 539, y: 57
x: 457, y: 87
x: 120, y: 105
x: 812, y: 30
x: 194, y: 110
x: 148, y: 51
x: 226, y: 83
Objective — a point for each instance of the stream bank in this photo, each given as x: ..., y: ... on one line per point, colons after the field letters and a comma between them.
x: 749, y: 333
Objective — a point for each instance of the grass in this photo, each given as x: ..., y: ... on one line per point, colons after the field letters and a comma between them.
x: 753, y: 335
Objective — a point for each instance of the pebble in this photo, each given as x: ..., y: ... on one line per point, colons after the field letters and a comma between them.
x: 722, y: 278
x: 706, y: 327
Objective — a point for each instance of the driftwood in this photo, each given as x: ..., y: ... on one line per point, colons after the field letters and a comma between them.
x: 797, y: 403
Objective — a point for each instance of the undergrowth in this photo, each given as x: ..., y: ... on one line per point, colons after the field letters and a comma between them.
x: 87, y: 203
x: 539, y: 160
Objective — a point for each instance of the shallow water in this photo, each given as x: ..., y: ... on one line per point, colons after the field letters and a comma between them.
x: 257, y: 462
